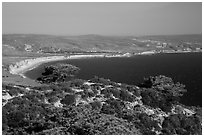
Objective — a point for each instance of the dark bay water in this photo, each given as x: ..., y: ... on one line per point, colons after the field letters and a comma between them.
x: 185, y: 68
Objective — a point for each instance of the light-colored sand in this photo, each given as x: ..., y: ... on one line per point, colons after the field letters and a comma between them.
x: 19, y: 68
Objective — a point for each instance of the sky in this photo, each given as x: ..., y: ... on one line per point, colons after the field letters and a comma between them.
x: 102, y: 18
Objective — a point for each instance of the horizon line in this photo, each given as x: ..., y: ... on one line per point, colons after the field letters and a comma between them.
x: 99, y: 34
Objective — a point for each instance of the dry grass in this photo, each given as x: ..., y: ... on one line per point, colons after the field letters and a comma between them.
x: 17, y: 80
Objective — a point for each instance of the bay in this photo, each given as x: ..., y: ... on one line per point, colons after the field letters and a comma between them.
x: 185, y: 68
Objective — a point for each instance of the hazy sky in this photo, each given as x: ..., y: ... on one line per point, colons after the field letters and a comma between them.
x: 102, y: 18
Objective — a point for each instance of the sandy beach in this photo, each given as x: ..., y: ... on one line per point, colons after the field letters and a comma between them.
x: 19, y: 68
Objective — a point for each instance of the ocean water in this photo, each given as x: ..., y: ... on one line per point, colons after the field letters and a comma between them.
x: 185, y: 68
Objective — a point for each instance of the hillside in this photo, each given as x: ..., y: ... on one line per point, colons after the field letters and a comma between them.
x: 64, y: 105
x: 97, y: 107
x: 18, y: 44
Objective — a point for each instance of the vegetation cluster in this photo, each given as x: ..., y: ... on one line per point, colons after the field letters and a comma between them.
x: 98, y: 106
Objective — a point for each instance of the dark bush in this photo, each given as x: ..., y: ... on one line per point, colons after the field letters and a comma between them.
x: 15, y: 119
x: 53, y: 99
x: 68, y: 99
x: 107, y: 109
x: 116, y: 93
x: 101, y: 80
x: 14, y: 91
x: 96, y: 105
x: 154, y: 98
x: 181, y: 124
x: 58, y: 73
x: 77, y: 83
x: 146, y: 84
x: 42, y: 88
x: 112, y: 106
x: 126, y: 96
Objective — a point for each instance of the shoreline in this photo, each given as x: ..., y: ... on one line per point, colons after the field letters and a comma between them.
x: 21, y: 67
x: 153, y: 52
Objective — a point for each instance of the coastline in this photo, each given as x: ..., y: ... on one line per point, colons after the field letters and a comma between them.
x: 19, y: 68
x: 153, y: 52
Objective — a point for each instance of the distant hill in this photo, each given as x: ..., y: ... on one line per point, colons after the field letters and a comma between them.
x: 92, y: 43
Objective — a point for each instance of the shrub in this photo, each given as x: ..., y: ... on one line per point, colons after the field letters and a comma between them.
x: 58, y: 73
x: 126, y: 96
x: 53, y: 99
x: 154, y: 98
x: 181, y: 124
x: 68, y: 100
x: 116, y: 93
x: 15, y: 119
x: 77, y: 83
x: 96, y: 105
x: 15, y: 91
x: 42, y: 88
x: 107, y: 109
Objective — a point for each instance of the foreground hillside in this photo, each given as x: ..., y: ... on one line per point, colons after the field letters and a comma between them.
x: 66, y: 105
